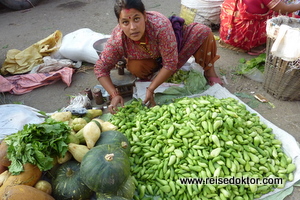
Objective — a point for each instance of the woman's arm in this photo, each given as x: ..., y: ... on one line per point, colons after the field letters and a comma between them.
x: 284, y: 8
x: 106, y: 82
x: 161, y: 77
x: 116, y: 98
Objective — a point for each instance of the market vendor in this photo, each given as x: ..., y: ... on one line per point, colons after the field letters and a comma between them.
x: 147, y: 40
x: 243, y: 23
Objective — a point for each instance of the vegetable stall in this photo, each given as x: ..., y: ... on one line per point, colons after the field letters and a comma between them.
x: 145, y: 153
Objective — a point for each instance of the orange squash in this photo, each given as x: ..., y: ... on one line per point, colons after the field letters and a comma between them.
x: 24, y: 192
x: 2, y: 169
x: 3, y: 152
x: 29, y: 176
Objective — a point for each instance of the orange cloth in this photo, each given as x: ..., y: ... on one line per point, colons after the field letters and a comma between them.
x: 143, y: 68
x: 205, y: 56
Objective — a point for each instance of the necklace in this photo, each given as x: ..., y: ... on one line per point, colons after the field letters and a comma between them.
x: 144, y: 46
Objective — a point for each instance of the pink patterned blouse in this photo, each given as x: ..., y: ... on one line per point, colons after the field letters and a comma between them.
x: 162, y: 43
x: 260, y: 6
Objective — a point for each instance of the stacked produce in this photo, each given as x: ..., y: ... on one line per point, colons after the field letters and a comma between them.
x: 198, y: 138
x: 179, y: 76
x: 66, y: 157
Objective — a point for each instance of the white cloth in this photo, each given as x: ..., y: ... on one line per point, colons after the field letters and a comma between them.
x: 286, y: 45
x: 14, y: 116
x: 51, y: 64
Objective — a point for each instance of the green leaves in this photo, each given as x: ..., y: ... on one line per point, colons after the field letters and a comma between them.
x: 245, y: 66
x: 37, y: 144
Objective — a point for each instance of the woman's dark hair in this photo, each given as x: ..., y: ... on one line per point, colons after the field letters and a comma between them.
x: 128, y: 4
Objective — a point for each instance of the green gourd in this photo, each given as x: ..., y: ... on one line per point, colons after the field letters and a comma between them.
x: 105, y: 168
x: 101, y: 196
x: 128, y: 188
x: 67, y: 184
x: 114, y: 137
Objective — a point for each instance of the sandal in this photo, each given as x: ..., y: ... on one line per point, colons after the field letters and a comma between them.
x: 257, y: 53
x: 213, y: 80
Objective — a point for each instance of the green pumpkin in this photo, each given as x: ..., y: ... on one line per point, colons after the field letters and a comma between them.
x: 114, y: 137
x: 67, y: 183
x: 101, y: 196
x: 128, y: 188
x: 105, y: 168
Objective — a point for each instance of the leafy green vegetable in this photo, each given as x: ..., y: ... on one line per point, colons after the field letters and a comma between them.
x: 246, y: 66
x: 37, y: 144
x: 179, y: 77
x: 195, y: 83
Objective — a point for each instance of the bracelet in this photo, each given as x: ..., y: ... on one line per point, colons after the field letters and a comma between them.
x: 114, y: 94
x: 150, y: 90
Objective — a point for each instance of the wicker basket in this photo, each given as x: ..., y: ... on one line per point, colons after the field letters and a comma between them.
x: 282, y: 78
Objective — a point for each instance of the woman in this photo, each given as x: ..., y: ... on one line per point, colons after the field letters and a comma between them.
x: 243, y: 23
x: 148, y: 43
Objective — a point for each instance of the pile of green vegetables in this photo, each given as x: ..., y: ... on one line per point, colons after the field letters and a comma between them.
x: 245, y: 66
x: 194, y: 83
x: 37, y: 144
x: 179, y: 77
x: 198, y: 138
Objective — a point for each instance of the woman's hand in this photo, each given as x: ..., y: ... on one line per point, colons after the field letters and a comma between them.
x: 149, y: 100
x: 115, y: 101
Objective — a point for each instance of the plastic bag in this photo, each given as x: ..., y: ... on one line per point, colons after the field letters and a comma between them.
x: 14, y: 116
x: 255, y: 74
x: 19, y: 62
x: 78, y: 45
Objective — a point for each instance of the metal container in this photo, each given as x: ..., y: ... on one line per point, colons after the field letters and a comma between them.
x: 99, y: 45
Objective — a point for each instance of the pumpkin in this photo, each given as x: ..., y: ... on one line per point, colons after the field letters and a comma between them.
x: 67, y: 184
x: 128, y: 188
x: 114, y: 137
x: 105, y: 168
x: 101, y: 196
x: 24, y: 192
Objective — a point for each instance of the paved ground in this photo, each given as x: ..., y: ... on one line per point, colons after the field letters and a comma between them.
x: 21, y: 29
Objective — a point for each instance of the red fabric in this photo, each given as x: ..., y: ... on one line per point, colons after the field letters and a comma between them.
x: 21, y: 84
x: 162, y: 43
x: 240, y: 28
x: 260, y: 6
x: 243, y: 29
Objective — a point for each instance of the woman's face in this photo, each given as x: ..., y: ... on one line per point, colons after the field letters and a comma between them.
x: 132, y: 22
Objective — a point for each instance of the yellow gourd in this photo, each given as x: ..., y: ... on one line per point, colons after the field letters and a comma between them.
x: 78, y: 123
x: 62, y: 116
x: 80, y: 137
x: 67, y: 157
x: 91, y: 133
x: 106, y: 126
x: 78, y: 151
x: 92, y: 113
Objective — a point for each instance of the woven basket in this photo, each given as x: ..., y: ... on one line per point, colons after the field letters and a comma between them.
x: 282, y: 78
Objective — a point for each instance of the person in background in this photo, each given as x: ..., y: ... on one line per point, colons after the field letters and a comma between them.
x: 243, y: 23
x: 147, y: 41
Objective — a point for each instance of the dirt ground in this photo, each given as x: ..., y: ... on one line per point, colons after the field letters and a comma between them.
x: 21, y: 29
